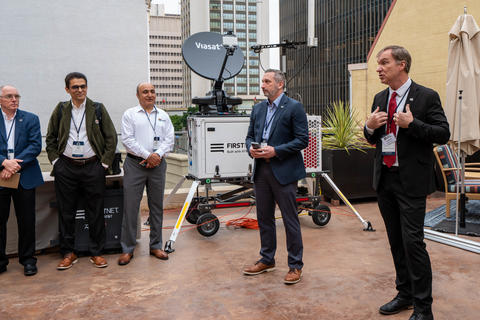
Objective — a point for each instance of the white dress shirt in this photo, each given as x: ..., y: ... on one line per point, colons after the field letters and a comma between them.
x: 9, y: 125
x: 77, y: 114
x: 401, y: 100
x: 138, y: 133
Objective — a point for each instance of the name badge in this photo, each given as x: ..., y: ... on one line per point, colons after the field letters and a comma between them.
x: 10, y: 154
x: 78, y: 149
x: 263, y: 144
x: 388, y: 144
x: 156, y: 143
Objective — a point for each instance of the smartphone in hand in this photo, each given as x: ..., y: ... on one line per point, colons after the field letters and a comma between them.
x: 255, y: 145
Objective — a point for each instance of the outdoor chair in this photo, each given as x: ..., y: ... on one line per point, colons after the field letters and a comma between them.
x: 448, y: 164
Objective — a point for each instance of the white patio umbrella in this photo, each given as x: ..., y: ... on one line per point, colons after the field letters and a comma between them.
x: 462, y: 106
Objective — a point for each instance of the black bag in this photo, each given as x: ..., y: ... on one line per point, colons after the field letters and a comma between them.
x: 116, y: 163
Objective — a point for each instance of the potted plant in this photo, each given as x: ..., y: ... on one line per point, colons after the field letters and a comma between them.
x: 346, y: 155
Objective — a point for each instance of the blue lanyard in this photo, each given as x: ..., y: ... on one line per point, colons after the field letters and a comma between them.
x: 11, y: 127
x: 269, y: 122
x: 148, y: 118
x: 79, y: 127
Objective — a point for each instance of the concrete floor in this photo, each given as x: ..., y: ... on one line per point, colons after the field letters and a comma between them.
x: 348, y: 273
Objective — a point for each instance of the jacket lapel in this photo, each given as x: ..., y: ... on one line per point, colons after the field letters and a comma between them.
x: 89, y: 116
x: 3, y: 131
x: 384, y: 101
x: 412, y: 93
x: 280, y: 108
x: 263, y: 115
x: 18, y: 126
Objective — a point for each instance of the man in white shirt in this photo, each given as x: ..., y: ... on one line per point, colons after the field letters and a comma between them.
x: 80, y: 142
x: 148, y: 136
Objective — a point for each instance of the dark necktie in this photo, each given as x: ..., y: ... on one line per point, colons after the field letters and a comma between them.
x: 389, y: 160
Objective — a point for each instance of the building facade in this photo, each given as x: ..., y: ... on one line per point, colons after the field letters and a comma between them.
x: 165, y: 45
x: 248, y: 19
x: 345, y: 31
x: 427, y: 40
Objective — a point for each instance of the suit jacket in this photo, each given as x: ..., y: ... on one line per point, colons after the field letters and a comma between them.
x: 28, y: 145
x: 415, y: 143
x: 104, y: 145
x: 288, y: 135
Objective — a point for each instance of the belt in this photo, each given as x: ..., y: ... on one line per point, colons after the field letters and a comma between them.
x: 391, y: 169
x: 79, y: 162
x: 134, y: 157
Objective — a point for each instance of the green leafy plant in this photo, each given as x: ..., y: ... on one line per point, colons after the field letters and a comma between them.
x: 341, y: 131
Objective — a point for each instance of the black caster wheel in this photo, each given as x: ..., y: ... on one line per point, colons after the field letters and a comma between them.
x: 321, y: 214
x: 192, y: 215
x: 208, y: 224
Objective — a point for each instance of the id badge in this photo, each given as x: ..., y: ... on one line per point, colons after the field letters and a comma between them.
x: 156, y: 143
x: 388, y: 145
x: 10, y: 154
x: 263, y: 144
x: 78, y: 149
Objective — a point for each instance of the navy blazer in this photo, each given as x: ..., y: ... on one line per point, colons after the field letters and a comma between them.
x: 415, y: 143
x: 288, y: 135
x: 28, y: 145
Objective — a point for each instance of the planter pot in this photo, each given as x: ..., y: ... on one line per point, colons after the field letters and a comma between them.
x: 352, y: 173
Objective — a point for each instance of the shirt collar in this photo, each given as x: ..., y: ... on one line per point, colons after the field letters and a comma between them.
x: 276, y: 102
x: 80, y: 107
x: 5, y: 116
x: 402, y: 90
x: 139, y: 108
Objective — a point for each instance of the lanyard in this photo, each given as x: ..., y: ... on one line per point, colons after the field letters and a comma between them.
x: 11, y: 127
x: 269, y: 122
x: 398, y: 105
x: 80, y: 126
x: 148, y: 118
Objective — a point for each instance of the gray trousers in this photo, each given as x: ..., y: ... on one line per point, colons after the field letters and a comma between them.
x: 135, y: 179
x: 268, y: 192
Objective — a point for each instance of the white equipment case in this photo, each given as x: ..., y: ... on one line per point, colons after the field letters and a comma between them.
x: 216, y: 147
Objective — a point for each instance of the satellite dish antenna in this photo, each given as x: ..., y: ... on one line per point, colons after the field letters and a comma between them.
x: 203, y: 52
x: 216, y: 57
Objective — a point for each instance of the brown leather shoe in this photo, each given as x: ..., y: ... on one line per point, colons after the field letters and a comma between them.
x: 68, y: 260
x: 125, y: 258
x: 99, y: 261
x: 257, y: 268
x: 293, y: 276
x: 159, y: 253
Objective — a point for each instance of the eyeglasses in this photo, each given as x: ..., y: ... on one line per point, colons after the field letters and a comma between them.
x: 83, y: 87
x: 11, y: 96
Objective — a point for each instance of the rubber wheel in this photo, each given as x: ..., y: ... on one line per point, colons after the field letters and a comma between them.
x: 192, y: 215
x: 208, y: 224
x: 321, y: 214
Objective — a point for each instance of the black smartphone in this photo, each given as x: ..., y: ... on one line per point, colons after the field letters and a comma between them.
x: 255, y: 145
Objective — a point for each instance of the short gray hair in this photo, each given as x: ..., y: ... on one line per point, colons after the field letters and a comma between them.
x: 399, y: 54
x: 279, y: 76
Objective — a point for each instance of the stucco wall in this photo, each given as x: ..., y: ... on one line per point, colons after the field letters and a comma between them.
x: 422, y: 27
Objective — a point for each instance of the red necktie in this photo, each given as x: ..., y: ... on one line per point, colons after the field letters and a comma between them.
x: 389, y: 160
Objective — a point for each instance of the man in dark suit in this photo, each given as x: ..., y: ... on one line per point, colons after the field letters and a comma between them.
x: 406, y: 120
x: 81, y: 147
x: 20, y: 144
x: 278, y: 131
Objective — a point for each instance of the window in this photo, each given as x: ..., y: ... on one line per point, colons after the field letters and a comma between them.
x: 227, y: 16
x: 240, y: 7
x: 241, y: 89
x: 228, y: 25
x: 241, y: 25
x: 252, y: 8
x: 228, y: 7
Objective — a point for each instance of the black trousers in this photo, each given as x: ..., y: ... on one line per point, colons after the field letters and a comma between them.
x: 404, y: 218
x: 24, y: 203
x: 269, y: 191
x: 85, y: 183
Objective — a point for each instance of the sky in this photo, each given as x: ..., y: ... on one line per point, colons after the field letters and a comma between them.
x: 173, y: 6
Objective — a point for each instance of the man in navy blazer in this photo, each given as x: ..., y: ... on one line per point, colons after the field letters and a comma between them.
x: 406, y: 120
x: 20, y: 144
x: 278, y: 131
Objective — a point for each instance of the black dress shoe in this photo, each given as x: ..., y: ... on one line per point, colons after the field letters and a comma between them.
x: 396, y: 305
x: 30, y: 269
x: 421, y: 316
